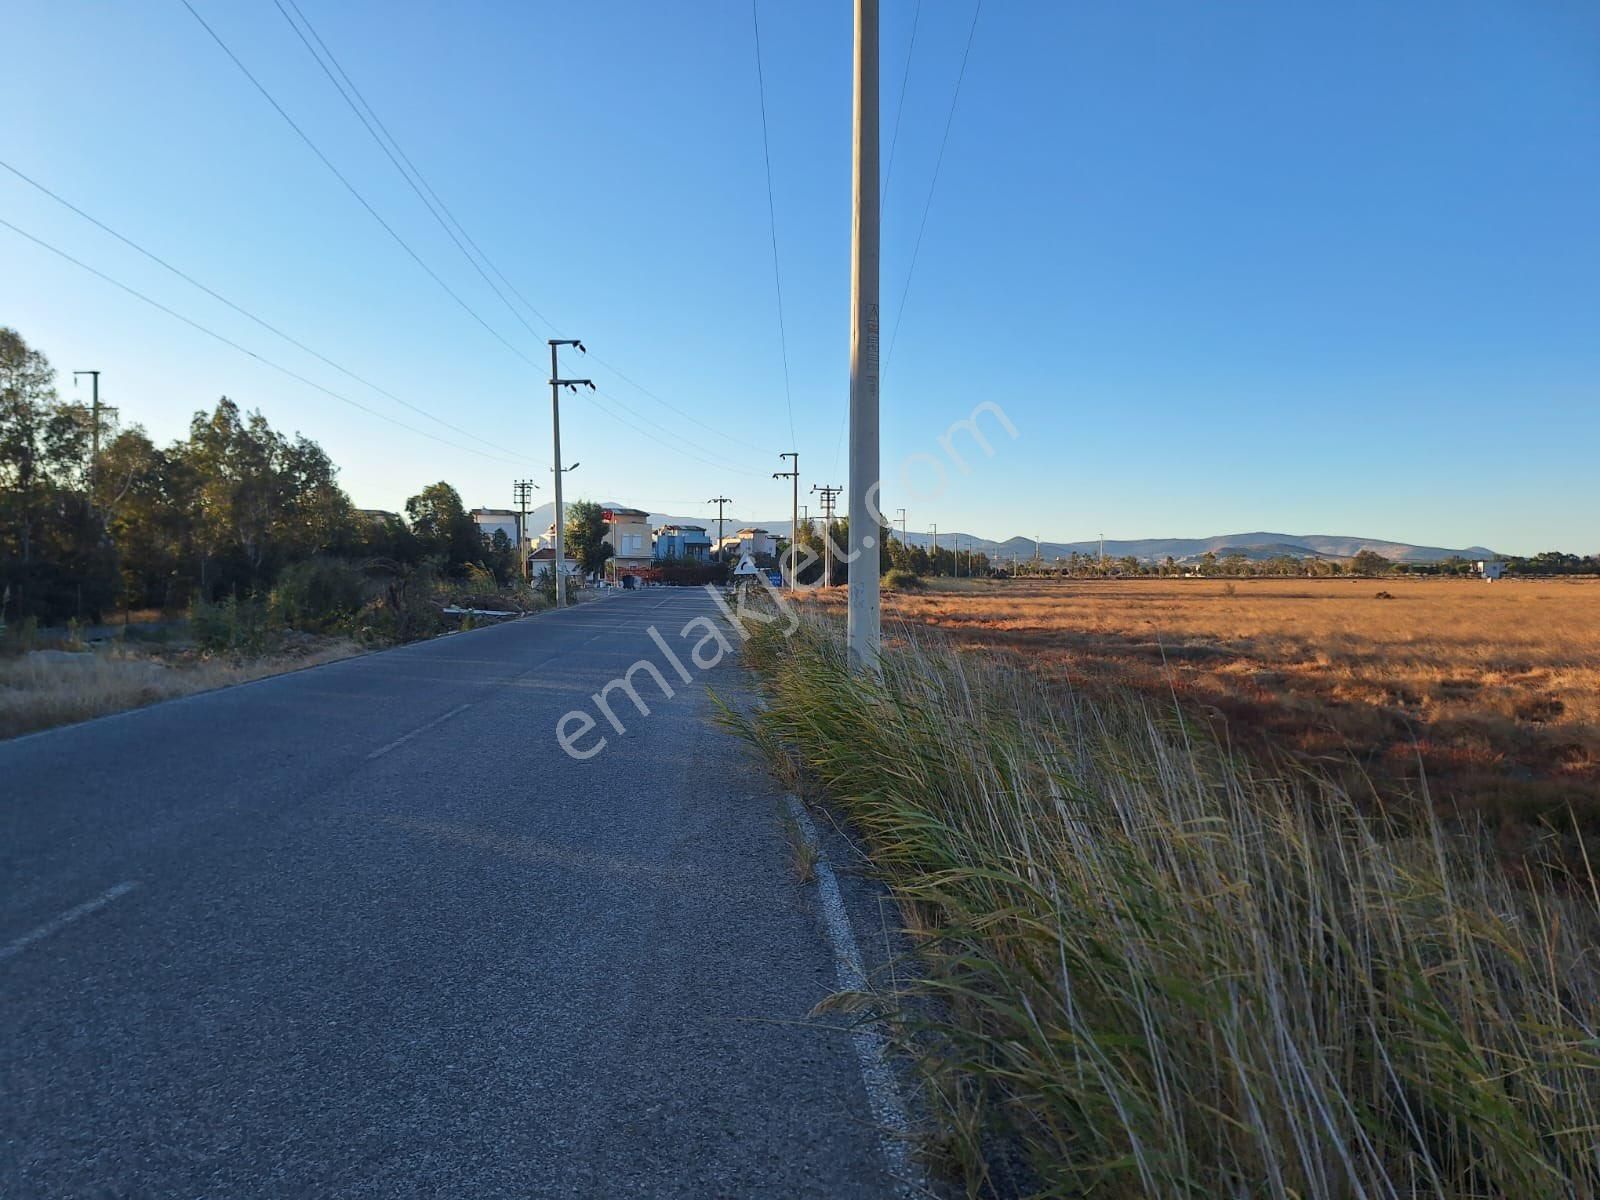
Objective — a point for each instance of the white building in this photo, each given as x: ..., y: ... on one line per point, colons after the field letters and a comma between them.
x: 1490, y: 570
x: 749, y: 541
x: 499, y: 520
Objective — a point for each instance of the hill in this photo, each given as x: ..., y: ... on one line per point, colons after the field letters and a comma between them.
x: 1255, y: 545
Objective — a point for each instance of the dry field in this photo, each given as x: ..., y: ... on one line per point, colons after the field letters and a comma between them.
x: 1489, y: 691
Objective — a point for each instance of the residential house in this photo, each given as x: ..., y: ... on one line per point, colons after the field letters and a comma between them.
x: 687, y: 542
x: 755, y: 542
x: 499, y: 520
x: 628, y: 534
x: 539, y: 562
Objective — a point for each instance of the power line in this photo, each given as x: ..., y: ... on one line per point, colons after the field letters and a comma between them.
x: 444, y: 209
x: 422, y: 179
x: 662, y: 430
x: 351, y: 188
x: 934, y: 182
x: 244, y: 312
x: 900, y: 108
x: 384, y: 146
x: 261, y: 358
x: 772, y: 216
x: 617, y: 371
x: 439, y: 213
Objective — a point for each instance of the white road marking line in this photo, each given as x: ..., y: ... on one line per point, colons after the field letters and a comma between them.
x: 404, y: 738
x: 883, y: 1094
x: 66, y: 918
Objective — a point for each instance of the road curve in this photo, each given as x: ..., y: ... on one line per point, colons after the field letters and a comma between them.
x: 366, y: 931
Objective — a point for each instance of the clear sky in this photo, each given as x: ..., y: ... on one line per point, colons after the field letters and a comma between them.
x: 1308, y: 268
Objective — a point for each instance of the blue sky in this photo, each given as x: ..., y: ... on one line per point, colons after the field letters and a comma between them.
x: 1309, y: 268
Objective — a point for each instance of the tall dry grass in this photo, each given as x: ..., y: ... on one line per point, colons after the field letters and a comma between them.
x: 42, y: 691
x: 1163, y: 972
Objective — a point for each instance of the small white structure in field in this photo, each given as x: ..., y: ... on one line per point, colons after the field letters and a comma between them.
x: 1491, y: 570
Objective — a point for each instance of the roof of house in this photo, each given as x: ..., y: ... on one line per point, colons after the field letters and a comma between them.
x: 752, y: 529
x: 628, y: 512
x: 683, y: 529
x: 494, y: 512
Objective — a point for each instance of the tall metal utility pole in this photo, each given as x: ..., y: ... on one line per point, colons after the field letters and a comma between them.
x: 94, y: 431
x: 719, y: 501
x: 793, y: 476
x: 862, y: 623
x: 522, y: 490
x: 829, y: 493
x: 902, y: 524
x: 556, y: 384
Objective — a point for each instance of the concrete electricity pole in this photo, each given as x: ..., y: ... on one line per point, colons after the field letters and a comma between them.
x: 719, y: 501
x: 862, y: 623
x: 556, y: 384
x: 793, y: 476
x: 522, y: 489
x: 935, y: 547
x: 830, y: 493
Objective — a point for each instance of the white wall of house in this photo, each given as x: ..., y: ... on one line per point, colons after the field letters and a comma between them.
x: 490, y: 520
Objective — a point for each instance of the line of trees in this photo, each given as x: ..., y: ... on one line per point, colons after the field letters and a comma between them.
x: 222, y: 512
x: 893, y: 554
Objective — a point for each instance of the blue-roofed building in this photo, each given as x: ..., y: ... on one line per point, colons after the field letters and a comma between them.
x: 688, y: 542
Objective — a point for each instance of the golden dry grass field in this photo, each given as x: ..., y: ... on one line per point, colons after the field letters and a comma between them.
x: 1489, y: 691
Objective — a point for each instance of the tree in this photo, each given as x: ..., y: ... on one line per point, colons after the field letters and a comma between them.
x: 443, y: 526
x: 1370, y: 562
x: 585, y: 536
x: 54, y: 557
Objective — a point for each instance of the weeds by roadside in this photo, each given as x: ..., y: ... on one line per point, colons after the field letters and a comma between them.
x: 321, y: 610
x: 61, y: 687
x: 1166, y: 973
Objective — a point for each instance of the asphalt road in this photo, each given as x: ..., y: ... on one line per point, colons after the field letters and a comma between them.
x: 365, y: 930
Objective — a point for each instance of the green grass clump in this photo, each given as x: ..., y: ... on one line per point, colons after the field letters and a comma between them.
x: 1162, y: 972
x: 899, y: 580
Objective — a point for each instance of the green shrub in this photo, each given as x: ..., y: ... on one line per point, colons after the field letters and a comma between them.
x: 319, y: 594
x: 244, y: 626
x: 901, y: 580
x: 405, y: 608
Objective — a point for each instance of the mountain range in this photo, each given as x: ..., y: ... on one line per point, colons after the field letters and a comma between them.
x: 1255, y: 545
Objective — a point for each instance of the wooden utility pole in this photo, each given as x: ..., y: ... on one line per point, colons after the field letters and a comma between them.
x: 863, y: 621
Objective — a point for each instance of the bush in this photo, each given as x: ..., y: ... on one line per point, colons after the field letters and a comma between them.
x: 901, y: 580
x: 404, y: 609
x: 245, y: 626
x: 319, y: 594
